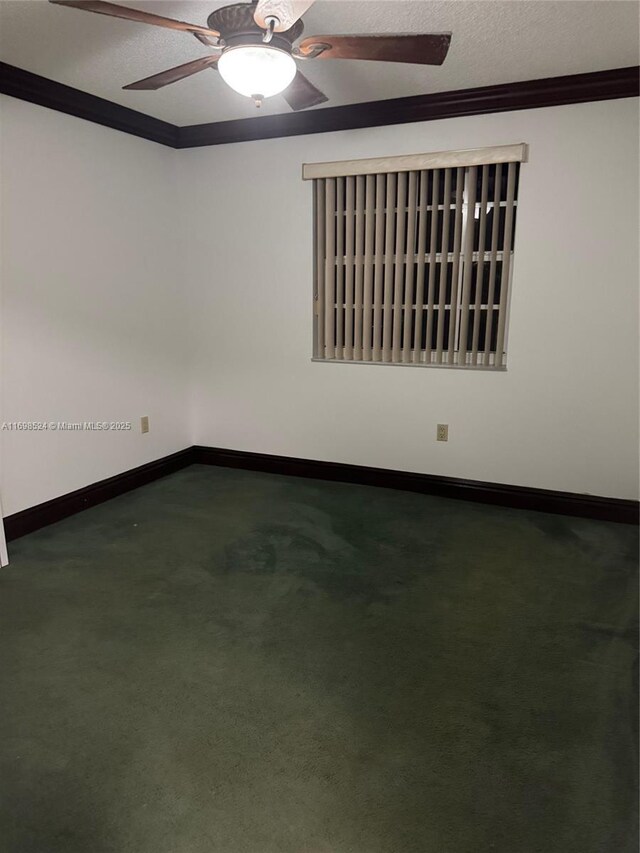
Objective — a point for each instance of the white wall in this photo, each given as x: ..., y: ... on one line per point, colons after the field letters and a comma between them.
x: 565, y: 414
x: 138, y: 280
x: 92, y: 301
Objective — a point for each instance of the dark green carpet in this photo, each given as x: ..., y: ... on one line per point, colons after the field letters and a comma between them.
x: 230, y: 662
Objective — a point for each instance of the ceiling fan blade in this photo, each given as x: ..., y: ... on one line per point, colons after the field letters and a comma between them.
x: 287, y: 12
x: 116, y: 11
x: 302, y: 94
x: 172, y: 75
x: 422, y: 49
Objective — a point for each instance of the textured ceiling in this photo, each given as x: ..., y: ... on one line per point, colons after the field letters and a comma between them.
x: 493, y: 42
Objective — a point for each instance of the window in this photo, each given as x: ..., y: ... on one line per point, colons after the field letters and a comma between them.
x: 413, y: 257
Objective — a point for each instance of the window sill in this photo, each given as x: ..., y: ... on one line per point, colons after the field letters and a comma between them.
x: 489, y: 367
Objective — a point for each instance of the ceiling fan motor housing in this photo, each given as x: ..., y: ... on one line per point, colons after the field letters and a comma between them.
x: 237, y: 27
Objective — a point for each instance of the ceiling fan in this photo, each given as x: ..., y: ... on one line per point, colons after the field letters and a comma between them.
x: 256, y: 53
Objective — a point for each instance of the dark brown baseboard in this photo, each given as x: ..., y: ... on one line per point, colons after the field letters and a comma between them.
x: 498, y: 494
x: 28, y: 520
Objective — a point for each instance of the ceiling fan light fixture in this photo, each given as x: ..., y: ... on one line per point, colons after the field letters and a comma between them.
x: 257, y: 70
x: 257, y: 41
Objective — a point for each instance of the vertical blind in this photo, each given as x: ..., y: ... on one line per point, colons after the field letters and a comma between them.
x: 413, y: 265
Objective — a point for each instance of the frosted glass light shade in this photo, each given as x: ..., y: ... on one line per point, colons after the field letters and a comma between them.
x: 257, y: 70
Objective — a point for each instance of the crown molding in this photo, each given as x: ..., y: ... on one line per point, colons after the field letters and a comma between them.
x: 529, y: 94
x: 65, y: 99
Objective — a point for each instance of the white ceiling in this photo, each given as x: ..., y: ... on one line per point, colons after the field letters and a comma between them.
x: 493, y: 42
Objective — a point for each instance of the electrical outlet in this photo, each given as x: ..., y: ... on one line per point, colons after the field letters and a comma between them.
x: 144, y: 424
x: 442, y: 432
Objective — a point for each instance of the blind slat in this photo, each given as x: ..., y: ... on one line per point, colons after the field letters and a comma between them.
x: 367, y: 314
x: 349, y: 268
x: 422, y: 248
x: 320, y: 268
x: 401, y: 224
x: 495, y: 231
x: 330, y: 267
x: 410, y: 267
x: 455, y: 266
x: 467, y: 269
x: 444, y: 266
x: 389, y: 235
x: 433, y: 245
x: 359, y: 271
x: 340, y: 268
x: 506, y: 262
x: 382, y: 186
x: 371, y: 225
x: 480, y: 267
